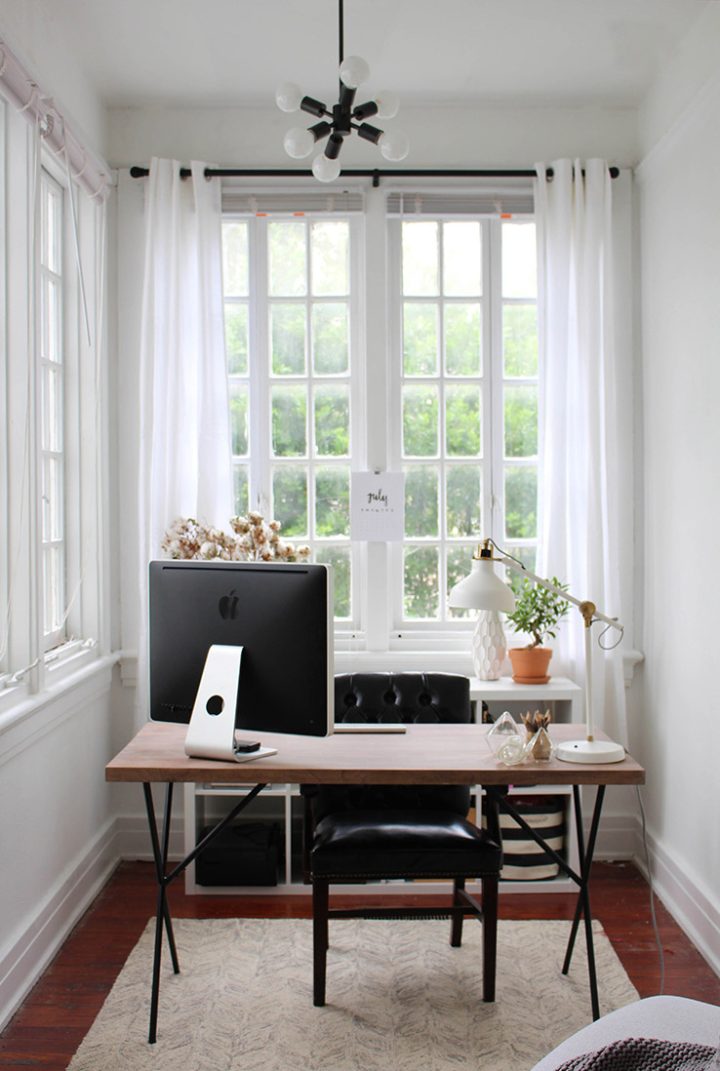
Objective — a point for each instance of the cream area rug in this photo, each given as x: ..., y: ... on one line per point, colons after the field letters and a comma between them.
x: 399, y: 998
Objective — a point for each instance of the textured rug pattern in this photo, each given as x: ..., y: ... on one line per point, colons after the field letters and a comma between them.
x: 399, y: 999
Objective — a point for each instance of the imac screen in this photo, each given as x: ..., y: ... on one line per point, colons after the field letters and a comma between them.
x: 281, y: 615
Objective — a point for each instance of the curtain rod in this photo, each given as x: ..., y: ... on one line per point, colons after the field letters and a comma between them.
x: 375, y: 173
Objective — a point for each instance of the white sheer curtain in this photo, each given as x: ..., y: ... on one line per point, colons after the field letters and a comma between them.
x: 185, y: 460
x: 578, y: 524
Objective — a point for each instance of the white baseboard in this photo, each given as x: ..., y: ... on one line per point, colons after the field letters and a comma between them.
x: 30, y: 953
x: 697, y: 914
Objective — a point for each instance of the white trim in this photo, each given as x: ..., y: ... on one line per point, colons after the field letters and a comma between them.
x: 32, y: 950
x: 18, y: 725
x: 693, y: 907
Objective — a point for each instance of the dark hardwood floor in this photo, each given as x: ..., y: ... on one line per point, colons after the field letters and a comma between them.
x: 59, y: 1011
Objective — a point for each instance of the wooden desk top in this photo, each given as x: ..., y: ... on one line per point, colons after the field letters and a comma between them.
x: 425, y: 754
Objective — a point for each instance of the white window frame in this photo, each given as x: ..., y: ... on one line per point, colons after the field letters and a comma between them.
x: 405, y: 632
x: 32, y: 665
x: 374, y: 633
x: 261, y: 380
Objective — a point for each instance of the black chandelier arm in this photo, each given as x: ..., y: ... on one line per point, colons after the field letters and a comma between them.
x: 368, y: 132
x: 314, y: 107
x: 365, y: 111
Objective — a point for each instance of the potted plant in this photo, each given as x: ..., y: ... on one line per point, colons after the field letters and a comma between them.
x: 536, y: 614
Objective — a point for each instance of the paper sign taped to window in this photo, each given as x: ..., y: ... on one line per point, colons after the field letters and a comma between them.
x: 377, y: 506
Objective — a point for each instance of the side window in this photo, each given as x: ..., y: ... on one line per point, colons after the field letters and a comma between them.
x: 51, y: 353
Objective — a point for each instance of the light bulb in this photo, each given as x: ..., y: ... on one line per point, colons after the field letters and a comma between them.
x: 299, y: 142
x: 394, y: 145
x: 324, y: 169
x: 354, y: 71
x: 288, y: 97
x: 388, y: 104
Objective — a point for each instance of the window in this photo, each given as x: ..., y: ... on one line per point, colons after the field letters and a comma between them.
x: 459, y: 385
x: 52, y: 404
x: 290, y: 361
x: 466, y: 398
x: 51, y: 358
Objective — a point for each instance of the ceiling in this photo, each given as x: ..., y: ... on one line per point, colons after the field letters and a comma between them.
x: 234, y: 52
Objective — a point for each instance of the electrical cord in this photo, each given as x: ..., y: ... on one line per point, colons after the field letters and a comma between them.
x: 661, y: 951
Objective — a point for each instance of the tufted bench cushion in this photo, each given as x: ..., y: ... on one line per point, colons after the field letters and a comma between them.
x: 401, y: 843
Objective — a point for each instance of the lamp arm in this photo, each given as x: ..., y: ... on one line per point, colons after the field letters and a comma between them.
x: 588, y: 609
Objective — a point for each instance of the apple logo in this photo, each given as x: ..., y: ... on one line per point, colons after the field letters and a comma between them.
x: 228, y: 606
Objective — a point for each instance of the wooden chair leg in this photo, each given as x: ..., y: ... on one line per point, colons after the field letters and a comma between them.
x: 490, y: 915
x: 320, y: 939
x: 457, y: 915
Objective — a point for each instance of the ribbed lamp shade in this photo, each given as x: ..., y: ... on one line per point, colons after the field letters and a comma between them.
x: 482, y: 590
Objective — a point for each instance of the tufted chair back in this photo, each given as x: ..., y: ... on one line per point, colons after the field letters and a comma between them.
x: 397, y: 697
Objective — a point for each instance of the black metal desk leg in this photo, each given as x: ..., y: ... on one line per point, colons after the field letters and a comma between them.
x: 162, y: 915
x: 583, y: 901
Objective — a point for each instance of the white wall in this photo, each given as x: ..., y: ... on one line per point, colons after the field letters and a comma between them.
x: 448, y: 137
x: 676, y: 738
x: 41, y: 38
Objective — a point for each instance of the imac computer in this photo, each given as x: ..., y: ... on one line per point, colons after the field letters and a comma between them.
x: 240, y: 646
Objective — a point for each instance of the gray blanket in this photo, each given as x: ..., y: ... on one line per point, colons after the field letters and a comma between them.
x: 647, y: 1054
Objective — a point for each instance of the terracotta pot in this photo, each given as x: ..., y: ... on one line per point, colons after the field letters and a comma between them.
x: 530, y: 664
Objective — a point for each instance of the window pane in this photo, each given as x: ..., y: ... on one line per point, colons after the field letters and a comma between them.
x: 239, y: 418
x: 241, y: 489
x: 332, y: 501
x: 54, y: 587
x: 332, y: 421
x: 286, y: 248
x: 526, y: 555
x: 235, y: 259
x: 290, y: 500
x: 420, y: 258
x: 421, y: 582
x: 521, y: 421
x: 236, y: 338
x: 421, y: 501
x: 463, y: 499
x: 519, y: 265
x: 462, y: 421
x: 463, y: 340
x: 52, y: 230
x: 459, y: 563
x: 289, y: 421
x: 420, y: 421
x: 51, y: 322
x: 462, y: 258
x: 52, y: 423
x: 330, y: 338
x: 339, y: 559
x: 287, y: 332
x: 52, y: 499
x: 330, y: 257
x: 520, y: 340
x: 520, y: 502
x: 420, y: 339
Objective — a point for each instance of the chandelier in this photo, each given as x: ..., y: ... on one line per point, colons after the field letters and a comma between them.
x: 338, y: 122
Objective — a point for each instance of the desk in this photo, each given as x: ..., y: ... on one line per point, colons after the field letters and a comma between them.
x: 425, y: 754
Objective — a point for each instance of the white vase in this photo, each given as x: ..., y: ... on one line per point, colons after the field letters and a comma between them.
x: 488, y: 646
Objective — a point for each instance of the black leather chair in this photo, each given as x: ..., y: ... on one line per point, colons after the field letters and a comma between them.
x: 358, y: 833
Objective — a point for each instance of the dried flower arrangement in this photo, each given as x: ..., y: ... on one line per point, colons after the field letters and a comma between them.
x: 253, y: 540
x: 533, y: 722
x: 537, y: 736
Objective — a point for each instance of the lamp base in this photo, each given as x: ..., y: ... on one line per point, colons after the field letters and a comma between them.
x: 590, y: 751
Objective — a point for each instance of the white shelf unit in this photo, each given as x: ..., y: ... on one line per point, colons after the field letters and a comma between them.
x: 566, y: 699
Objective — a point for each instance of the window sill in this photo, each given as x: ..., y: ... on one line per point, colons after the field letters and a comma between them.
x: 23, y: 715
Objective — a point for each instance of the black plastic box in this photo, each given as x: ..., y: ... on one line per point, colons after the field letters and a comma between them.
x: 243, y: 854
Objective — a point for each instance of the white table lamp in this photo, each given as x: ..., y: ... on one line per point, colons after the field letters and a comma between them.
x: 483, y: 589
